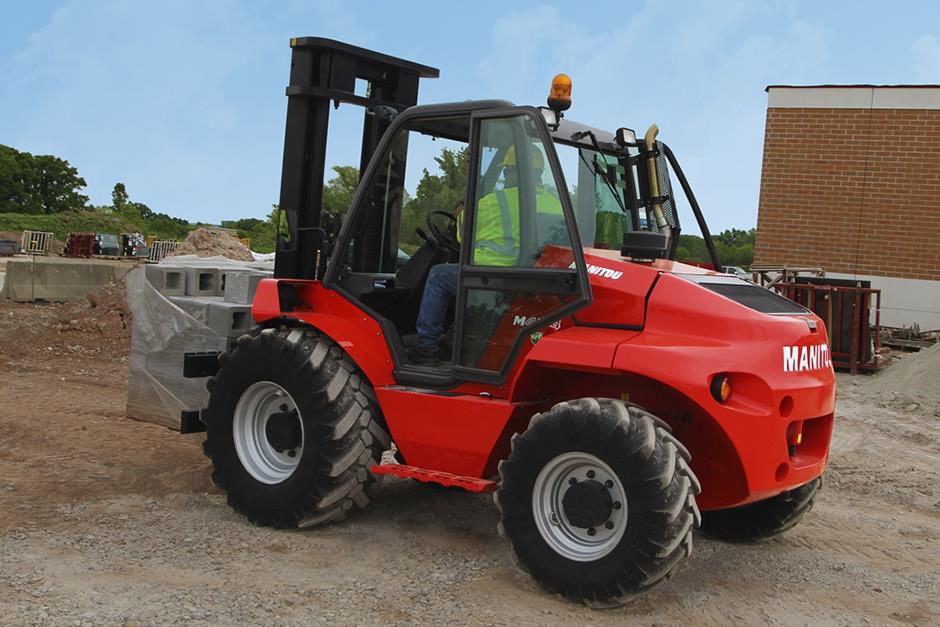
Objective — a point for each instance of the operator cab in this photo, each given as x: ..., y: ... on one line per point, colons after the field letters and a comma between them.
x: 470, y: 184
x: 507, y: 196
x: 485, y: 186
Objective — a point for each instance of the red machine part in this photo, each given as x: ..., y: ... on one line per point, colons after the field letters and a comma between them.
x: 742, y: 449
x: 470, y: 484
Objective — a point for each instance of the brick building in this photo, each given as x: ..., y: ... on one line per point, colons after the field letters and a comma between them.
x: 851, y: 184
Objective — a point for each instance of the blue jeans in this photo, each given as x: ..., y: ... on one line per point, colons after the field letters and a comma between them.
x: 439, y: 291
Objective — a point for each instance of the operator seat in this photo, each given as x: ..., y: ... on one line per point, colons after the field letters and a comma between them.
x: 413, y: 274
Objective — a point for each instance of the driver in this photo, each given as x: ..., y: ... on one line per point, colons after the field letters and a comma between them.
x: 496, y: 243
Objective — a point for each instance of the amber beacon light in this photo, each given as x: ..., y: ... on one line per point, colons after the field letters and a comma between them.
x: 559, y: 98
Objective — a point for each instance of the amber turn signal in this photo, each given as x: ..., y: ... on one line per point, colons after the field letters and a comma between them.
x: 559, y: 98
x: 721, y: 388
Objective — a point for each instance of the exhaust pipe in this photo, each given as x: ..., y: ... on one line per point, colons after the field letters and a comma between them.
x: 650, y: 141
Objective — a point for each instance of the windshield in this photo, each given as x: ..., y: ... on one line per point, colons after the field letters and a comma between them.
x: 610, y: 191
x: 603, y: 194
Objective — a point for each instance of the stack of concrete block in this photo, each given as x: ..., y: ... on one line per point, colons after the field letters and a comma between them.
x: 179, y: 310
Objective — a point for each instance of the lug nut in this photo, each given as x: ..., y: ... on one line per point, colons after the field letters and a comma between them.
x: 572, y: 481
x: 590, y: 474
x: 292, y: 453
x: 616, y: 504
x: 609, y: 524
x: 591, y: 531
x: 283, y: 407
x: 608, y: 484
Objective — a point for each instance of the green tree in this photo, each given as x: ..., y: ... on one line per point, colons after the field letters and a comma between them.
x: 38, y: 184
x: 435, y: 191
x: 736, y: 237
x: 735, y: 247
x: 338, y: 192
x: 119, y: 197
x: 58, y: 185
x: 15, y: 178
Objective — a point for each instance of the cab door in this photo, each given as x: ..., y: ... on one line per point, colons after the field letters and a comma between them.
x: 522, y: 266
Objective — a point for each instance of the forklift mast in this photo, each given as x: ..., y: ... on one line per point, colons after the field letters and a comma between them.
x: 324, y: 71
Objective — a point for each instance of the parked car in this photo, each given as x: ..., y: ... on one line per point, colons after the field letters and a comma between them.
x: 739, y: 272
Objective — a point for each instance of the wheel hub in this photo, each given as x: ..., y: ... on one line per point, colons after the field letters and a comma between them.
x: 587, y: 504
x: 268, y: 432
x: 580, y: 506
x: 283, y: 430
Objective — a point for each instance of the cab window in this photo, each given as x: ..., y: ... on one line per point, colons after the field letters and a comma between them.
x: 518, y: 221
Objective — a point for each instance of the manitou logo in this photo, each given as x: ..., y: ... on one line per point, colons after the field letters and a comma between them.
x: 523, y: 321
x: 801, y: 358
x: 607, y: 273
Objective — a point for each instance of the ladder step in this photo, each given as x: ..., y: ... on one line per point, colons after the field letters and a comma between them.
x: 470, y: 484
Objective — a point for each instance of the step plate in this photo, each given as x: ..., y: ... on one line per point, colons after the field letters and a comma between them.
x: 470, y: 484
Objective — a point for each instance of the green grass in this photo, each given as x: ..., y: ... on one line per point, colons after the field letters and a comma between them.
x: 61, y: 224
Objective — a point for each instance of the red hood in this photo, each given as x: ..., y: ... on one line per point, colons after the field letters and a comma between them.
x: 603, y: 256
x: 620, y: 286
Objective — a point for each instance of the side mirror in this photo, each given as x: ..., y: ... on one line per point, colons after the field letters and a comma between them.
x: 644, y: 245
x: 626, y: 137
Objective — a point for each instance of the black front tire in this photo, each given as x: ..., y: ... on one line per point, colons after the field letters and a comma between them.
x: 344, y: 432
x: 763, y: 519
x: 658, y: 485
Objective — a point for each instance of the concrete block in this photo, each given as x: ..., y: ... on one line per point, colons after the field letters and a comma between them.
x: 156, y: 390
x: 229, y: 319
x: 202, y: 282
x: 195, y: 306
x: 167, y: 280
x: 240, y: 287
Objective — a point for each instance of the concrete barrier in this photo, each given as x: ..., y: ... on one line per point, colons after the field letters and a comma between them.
x: 43, y: 278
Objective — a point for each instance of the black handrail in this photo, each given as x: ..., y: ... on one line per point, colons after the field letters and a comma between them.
x: 696, y: 210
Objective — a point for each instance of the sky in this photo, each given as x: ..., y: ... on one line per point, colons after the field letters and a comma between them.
x: 184, y: 101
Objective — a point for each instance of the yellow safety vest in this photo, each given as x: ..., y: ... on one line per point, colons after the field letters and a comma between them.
x: 496, y: 238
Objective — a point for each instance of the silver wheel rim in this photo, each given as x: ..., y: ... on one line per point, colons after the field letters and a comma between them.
x: 258, y: 456
x: 551, y: 485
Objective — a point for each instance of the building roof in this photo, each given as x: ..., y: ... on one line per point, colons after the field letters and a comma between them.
x: 923, y: 97
x: 857, y: 86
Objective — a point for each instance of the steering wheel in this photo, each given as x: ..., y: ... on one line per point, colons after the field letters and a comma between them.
x: 446, y: 237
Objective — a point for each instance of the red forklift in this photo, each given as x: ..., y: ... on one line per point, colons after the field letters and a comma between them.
x: 612, y: 398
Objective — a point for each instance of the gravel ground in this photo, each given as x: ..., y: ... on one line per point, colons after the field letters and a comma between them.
x: 104, y: 520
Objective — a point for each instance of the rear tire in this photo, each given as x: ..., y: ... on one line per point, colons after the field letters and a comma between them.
x: 292, y: 429
x: 763, y: 519
x: 626, y: 526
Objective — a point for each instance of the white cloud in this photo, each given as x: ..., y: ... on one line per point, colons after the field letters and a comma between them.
x: 184, y: 102
x: 697, y: 69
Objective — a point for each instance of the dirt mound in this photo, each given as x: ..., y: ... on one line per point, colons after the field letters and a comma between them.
x: 214, y: 242
x: 914, y: 380
x: 104, y: 312
x: 98, y: 325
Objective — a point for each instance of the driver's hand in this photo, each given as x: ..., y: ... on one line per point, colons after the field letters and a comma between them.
x: 458, y: 209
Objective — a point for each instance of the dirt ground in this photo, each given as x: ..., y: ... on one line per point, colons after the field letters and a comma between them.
x: 104, y: 520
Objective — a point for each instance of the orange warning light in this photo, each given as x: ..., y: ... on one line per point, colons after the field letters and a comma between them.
x: 559, y: 98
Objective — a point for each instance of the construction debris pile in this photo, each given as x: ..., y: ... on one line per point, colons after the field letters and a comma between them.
x: 97, y: 325
x: 908, y: 338
x: 912, y: 383
x: 213, y: 243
